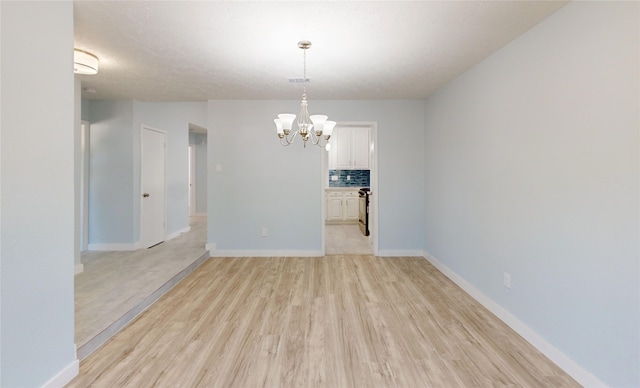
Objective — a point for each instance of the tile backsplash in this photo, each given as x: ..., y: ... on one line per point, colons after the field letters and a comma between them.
x: 358, y: 178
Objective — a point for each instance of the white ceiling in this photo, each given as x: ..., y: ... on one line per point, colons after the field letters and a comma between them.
x: 201, y: 50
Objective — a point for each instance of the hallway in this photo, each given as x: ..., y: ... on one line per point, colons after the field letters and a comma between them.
x: 116, y: 286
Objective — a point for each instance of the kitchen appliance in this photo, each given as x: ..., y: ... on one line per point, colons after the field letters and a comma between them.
x: 363, y: 214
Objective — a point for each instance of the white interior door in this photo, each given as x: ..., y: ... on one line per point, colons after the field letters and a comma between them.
x: 153, y: 176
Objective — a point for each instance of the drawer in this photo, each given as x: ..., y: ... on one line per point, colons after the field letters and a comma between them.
x: 334, y: 194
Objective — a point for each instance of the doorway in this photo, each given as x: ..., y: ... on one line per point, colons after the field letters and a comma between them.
x: 153, y: 186
x: 197, y: 171
x: 346, y: 237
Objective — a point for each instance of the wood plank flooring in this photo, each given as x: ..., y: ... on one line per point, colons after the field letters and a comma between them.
x: 116, y: 285
x: 334, y: 321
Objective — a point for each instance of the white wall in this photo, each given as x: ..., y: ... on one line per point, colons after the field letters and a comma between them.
x: 531, y: 168
x: 114, y: 214
x: 173, y: 117
x: 111, y: 174
x: 37, y: 208
x: 263, y: 184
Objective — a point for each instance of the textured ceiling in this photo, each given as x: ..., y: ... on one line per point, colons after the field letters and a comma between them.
x: 201, y: 50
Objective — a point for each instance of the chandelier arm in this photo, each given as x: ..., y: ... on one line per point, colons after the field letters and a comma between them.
x: 291, y: 139
x: 314, y: 138
x: 286, y: 143
x: 317, y: 140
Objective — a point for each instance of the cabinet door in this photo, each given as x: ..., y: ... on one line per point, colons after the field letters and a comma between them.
x: 343, y: 148
x: 326, y: 207
x: 332, y: 152
x: 334, y: 208
x: 351, y: 213
x: 360, y: 149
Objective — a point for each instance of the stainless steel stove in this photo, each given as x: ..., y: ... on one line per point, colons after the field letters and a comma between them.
x: 363, y: 215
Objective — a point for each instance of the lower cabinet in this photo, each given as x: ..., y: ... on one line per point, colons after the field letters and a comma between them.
x: 351, y: 211
x: 342, y: 206
x: 334, y: 206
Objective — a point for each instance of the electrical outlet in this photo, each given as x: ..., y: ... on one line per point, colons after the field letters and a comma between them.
x: 334, y: 177
x: 506, y: 280
x: 348, y: 177
x: 263, y: 232
x: 218, y: 168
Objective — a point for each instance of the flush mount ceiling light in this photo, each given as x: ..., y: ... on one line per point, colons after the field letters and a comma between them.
x: 84, y: 63
x: 312, y: 128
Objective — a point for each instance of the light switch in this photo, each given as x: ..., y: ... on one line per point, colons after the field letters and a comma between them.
x: 334, y: 177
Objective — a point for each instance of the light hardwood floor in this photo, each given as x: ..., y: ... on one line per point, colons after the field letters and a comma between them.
x: 334, y: 321
x: 117, y: 285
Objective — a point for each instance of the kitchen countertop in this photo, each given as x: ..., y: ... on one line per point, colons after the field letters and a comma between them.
x: 355, y: 188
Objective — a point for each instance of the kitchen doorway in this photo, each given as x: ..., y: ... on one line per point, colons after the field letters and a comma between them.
x: 350, y: 165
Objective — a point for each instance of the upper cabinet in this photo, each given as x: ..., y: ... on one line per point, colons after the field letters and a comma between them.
x: 349, y: 149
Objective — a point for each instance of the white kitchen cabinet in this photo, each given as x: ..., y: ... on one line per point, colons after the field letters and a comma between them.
x: 332, y: 152
x: 351, y: 210
x: 342, y: 206
x: 360, y: 148
x: 349, y: 149
x: 334, y: 206
x: 343, y: 148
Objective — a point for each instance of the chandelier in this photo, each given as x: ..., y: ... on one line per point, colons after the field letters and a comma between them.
x: 310, y: 128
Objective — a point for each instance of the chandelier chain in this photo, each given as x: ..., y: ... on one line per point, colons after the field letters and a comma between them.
x: 304, y: 71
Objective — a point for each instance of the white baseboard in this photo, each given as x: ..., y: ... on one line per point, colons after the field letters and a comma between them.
x: 178, y: 233
x: 401, y: 253
x: 78, y: 269
x: 241, y: 253
x: 582, y: 376
x: 63, y: 377
x: 113, y: 247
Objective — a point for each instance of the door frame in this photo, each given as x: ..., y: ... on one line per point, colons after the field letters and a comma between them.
x: 373, y: 202
x: 84, y: 185
x: 144, y: 127
x: 192, y: 180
